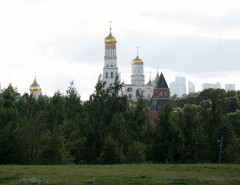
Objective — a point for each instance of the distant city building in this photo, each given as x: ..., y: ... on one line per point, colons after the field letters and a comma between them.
x: 35, y: 89
x: 230, y: 87
x: 191, y: 87
x: 178, y: 87
x: 210, y: 85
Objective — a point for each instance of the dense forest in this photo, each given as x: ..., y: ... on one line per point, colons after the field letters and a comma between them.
x: 110, y: 129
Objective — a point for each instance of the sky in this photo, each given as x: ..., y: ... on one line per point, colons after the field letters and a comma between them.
x: 63, y: 40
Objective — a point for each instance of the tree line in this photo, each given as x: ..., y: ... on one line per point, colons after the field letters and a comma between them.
x: 110, y: 129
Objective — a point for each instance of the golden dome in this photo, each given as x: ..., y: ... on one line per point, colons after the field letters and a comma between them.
x: 137, y: 60
x: 35, y: 87
x: 110, y: 39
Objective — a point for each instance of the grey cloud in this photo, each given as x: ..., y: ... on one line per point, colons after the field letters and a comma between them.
x: 181, y: 54
x: 190, y: 54
x: 228, y: 20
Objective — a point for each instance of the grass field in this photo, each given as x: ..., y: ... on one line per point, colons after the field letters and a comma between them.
x: 193, y: 174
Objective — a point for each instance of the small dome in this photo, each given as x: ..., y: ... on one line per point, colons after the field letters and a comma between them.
x: 137, y: 60
x: 35, y: 87
x: 110, y: 39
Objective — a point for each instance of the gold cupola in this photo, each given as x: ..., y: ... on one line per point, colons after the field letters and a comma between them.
x: 137, y: 60
x: 110, y: 40
x: 35, y: 87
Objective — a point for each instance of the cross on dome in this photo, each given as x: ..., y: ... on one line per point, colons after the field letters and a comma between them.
x: 110, y: 25
x: 137, y: 50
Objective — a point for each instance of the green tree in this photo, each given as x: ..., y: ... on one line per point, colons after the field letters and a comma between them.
x: 52, y: 148
x: 136, y: 152
x: 167, y: 140
x: 111, y: 153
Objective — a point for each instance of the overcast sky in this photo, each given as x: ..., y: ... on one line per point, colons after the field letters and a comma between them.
x: 63, y: 40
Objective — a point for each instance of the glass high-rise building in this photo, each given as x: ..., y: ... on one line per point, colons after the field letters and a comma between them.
x: 210, y: 85
x: 178, y: 87
x: 230, y: 87
x: 191, y: 87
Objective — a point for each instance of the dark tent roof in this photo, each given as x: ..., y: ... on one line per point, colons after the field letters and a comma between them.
x: 161, y: 82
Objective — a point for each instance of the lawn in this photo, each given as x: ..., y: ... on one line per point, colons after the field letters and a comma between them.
x: 192, y: 174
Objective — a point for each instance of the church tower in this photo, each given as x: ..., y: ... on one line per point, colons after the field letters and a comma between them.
x: 161, y: 95
x: 110, y: 69
x: 137, y: 77
x: 35, y: 89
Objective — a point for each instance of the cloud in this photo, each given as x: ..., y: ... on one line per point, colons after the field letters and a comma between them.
x: 183, y: 54
x: 182, y: 22
x: 64, y: 40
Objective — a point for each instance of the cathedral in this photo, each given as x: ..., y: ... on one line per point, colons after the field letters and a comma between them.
x: 138, y: 87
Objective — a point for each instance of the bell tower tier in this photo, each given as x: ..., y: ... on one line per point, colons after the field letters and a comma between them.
x: 110, y: 69
x: 137, y: 77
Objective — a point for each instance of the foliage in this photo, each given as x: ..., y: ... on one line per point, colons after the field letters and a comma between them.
x: 110, y: 129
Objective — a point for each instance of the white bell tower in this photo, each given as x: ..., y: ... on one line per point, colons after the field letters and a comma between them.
x: 110, y: 69
x: 137, y: 77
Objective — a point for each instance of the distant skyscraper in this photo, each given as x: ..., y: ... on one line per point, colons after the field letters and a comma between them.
x: 191, y: 87
x: 210, y: 85
x: 230, y: 87
x: 178, y: 87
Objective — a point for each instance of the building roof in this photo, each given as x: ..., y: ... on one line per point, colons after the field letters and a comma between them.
x: 161, y: 83
x: 156, y: 79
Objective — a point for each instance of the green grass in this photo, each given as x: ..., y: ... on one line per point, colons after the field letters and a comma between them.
x: 190, y: 174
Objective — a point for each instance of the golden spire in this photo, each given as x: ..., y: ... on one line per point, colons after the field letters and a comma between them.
x: 110, y: 40
x: 137, y: 60
x: 150, y: 79
x: 110, y: 25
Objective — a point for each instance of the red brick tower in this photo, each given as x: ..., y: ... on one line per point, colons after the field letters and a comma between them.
x: 161, y: 95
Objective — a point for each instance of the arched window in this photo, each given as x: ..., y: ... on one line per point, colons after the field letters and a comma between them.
x: 129, y: 89
x: 138, y: 93
x: 111, y: 74
x: 106, y: 74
